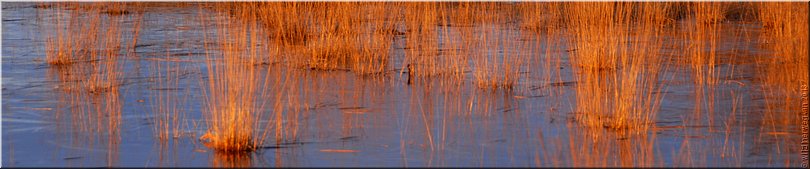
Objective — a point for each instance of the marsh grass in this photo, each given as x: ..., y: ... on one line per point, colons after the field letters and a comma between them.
x: 703, y: 44
x: 541, y: 17
x: 544, y: 21
x: 784, y: 73
x: 618, y: 84
x: 78, y: 33
x: 84, y: 62
x: 600, y: 148
x: 106, y: 73
x: 73, y: 34
x: 168, y: 97
x: 421, y: 54
x: 235, y: 88
x: 358, y: 37
x: 615, y: 51
x: 328, y: 36
x: 499, y: 62
x: 230, y: 104
x: 168, y: 100
x: 786, y: 35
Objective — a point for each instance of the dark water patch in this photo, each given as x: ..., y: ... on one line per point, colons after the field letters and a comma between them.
x: 72, y: 158
x: 12, y: 20
x: 166, y: 89
x: 558, y: 84
x: 350, y: 138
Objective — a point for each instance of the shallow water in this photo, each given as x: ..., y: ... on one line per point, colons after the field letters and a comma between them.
x: 337, y: 118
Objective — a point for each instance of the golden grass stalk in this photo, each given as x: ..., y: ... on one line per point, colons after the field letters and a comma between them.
x: 334, y: 43
x: 58, y: 48
x: 168, y: 98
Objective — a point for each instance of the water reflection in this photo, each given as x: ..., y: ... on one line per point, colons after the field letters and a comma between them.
x: 231, y: 160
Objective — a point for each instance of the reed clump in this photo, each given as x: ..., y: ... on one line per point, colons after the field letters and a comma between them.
x: 84, y: 48
x: 235, y: 87
x: 421, y: 55
x: 106, y: 71
x: 72, y: 34
x: 329, y: 36
x: 76, y: 30
x: 499, y: 60
x: 358, y: 37
x: 589, y: 22
x: 541, y: 17
x: 702, y: 47
x: 617, y: 75
x: 544, y: 21
x: 168, y: 100
x: 350, y: 36
x: 79, y: 34
x: 786, y: 35
x: 440, y: 38
x: 379, y: 19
